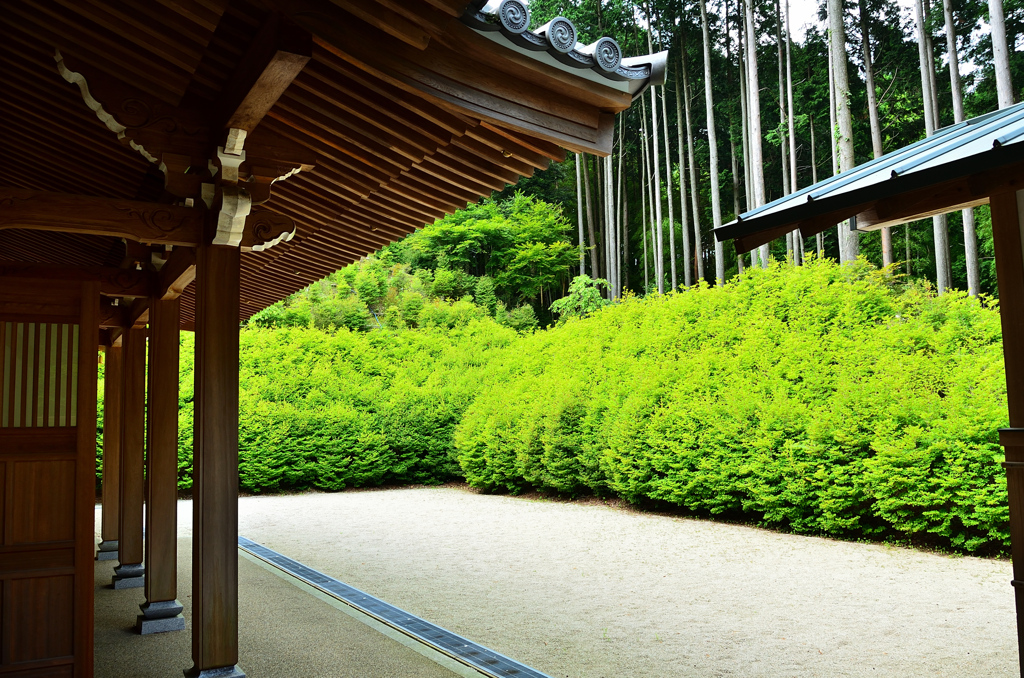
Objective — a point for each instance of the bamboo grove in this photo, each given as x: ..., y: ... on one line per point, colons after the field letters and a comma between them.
x: 749, y: 114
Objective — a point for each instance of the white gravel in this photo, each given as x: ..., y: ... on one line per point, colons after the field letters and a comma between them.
x: 588, y: 591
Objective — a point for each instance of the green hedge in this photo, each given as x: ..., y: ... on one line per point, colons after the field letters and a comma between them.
x: 331, y: 410
x: 821, y: 399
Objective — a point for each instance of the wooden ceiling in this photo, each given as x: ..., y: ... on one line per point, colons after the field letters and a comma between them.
x: 409, y: 113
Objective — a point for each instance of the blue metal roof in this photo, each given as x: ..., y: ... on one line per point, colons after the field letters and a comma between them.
x: 981, y: 144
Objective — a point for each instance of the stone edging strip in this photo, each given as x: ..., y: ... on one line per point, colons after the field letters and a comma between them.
x: 481, y: 659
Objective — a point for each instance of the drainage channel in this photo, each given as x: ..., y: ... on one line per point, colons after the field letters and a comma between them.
x: 486, y: 661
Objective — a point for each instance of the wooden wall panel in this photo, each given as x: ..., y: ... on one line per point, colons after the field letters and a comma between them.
x: 48, y: 672
x: 38, y: 374
x: 44, y: 501
x: 44, y: 610
x: 47, y: 470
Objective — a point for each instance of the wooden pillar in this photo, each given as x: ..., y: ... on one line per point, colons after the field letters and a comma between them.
x: 113, y: 382
x: 215, y: 465
x: 161, y: 611
x: 1008, y: 236
x: 129, y: 573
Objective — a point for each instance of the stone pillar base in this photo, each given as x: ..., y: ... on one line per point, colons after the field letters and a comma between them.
x: 146, y: 626
x: 129, y: 576
x: 107, y: 550
x: 222, y: 672
x: 160, y: 617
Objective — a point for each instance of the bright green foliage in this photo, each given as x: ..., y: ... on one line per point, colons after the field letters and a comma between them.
x: 820, y: 399
x: 583, y: 299
x: 521, y: 319
x: 484, y: 295
x: 331, y: 410
x: 521, y: 243
x: 497, y: 256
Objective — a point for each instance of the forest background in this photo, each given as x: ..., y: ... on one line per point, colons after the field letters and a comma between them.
x: 851, y: 387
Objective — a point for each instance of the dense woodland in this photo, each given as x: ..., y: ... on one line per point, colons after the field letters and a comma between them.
x: 744, y: 121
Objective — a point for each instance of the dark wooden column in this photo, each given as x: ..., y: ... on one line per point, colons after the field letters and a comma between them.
x: 215, y: 465
x: 161, y: 611
x: 129, y: 573
x: 1007, y: 227
x: 113, y: 382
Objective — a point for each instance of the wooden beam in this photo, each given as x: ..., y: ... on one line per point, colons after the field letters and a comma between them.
x: 277, y: 54
x: 176, y: 274
x: 388, y: 20
x: 162, y: 611
x: 138, y: 314
x: 145, y: 222
x: 112, y: 316
x: 215, y: 468
x: 114, y: 282
x: 1008, y: 238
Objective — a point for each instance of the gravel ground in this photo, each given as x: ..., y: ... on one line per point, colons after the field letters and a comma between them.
x: 589, y: 591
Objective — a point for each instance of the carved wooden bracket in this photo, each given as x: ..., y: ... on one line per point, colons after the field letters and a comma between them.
x: 183, y: 142
x: 234, y: 208
x: 264, y: 229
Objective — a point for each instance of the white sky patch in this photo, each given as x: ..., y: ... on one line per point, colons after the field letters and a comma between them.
x: 804, y: 13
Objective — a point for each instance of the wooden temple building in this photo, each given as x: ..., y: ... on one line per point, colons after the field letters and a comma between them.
x: 975, y: 162
x: 179, y: 165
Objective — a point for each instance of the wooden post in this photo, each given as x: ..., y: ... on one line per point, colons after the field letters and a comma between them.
x: 113, y: 382
x: 130, y: 573
x: 161, y: 611
x: 215, y: 464
x: 1008, y: 236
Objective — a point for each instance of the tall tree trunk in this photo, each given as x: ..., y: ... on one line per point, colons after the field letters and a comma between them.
x: 643, y: 199
x: 970, y: 236
x: 684, y: 216
x: 783, y: 126
x: 698, y: 245
x: 579, y: 214
x: 744, y: 104
x: 668, y: 196
x: 833, y: 125
x: 939, y: 231
x: 794, y: 179
x: 754, y: 112
x: 709, y: 103
x: 930, y: 49
x: 844, y: 117
x: 656, y: 178
x: 609, y: 228
x: 649, y: 172
x: 620, y: 222
x: 819, y: 239
x: 876, y: 127
x: 595, y: 269
x: 1000, y: 54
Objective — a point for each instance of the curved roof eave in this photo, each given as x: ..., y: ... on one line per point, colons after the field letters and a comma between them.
x: 555, y: 45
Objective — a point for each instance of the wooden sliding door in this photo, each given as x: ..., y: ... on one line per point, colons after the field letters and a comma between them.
x: 48, y: 356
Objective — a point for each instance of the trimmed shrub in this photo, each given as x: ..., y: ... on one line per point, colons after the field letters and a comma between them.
x: 820, y: 399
